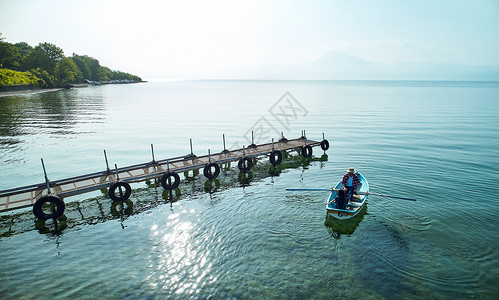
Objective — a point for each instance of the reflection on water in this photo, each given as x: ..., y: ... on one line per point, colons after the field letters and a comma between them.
x: 52, y: 114
x: 51, y: 226
x: 180, y: 261
x: 344, y: 227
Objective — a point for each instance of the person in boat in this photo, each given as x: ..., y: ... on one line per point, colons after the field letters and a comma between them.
x: 351, y: 183
x: 340, y: 200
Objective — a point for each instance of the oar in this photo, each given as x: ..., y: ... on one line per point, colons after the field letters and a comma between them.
x: 388, y: 196
x: 309, y: 189
x: 369, y: 193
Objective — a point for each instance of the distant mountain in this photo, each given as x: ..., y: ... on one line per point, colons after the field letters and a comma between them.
x: 340, y: 66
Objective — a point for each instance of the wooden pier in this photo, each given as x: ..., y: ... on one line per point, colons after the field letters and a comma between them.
x: 168, y: 169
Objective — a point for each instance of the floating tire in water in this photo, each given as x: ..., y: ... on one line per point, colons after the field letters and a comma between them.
x: 120, y: 196
x: 325, y: 145
x: 306, y: 151
x: 58, y: 203
x: 167, y: 183
x: 275, y: 157
x: 208, y: 173
x: 245, y: 164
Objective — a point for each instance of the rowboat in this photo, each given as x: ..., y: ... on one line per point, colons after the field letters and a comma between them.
x: 352, y: 208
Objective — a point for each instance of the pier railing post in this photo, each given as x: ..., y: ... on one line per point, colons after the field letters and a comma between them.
x: 192, y: 152
x: 252, y: 145
x: 225, y: 151
x: 116, y: 169
x: 152, y: 152
x: 107, y: 163
x: 46, y: 177
x: 283, y: 139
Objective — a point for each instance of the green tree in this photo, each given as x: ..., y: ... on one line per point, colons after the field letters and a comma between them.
x: 80, y: 62
x: 8, y: 54
x: 47, y: 80
x: 51, y: 68
x: 24, y: 51
x: 45, y: 56
x: 94, y: 67
x: 66, y: 72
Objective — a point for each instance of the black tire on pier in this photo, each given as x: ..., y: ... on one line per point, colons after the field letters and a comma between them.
x: 245, y: 164
x: 325, y: 145
x: 58, y: 203
x: 208, y: 173
x: 120, y: 197
x: 275, y: 157
x: 306, y: 151
x: 170, y: 185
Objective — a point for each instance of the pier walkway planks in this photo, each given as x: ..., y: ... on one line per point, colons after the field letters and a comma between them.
x: 26, y: 196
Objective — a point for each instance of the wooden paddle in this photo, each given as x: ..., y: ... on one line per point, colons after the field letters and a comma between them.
x: 309, y: 189
x: 388, y: 196
x: 363, y: 193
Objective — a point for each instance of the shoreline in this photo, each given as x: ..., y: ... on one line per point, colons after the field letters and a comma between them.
x: 37, y: 91
x: 28, y: 92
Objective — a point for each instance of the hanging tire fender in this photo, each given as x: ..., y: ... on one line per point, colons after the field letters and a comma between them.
x: 275, y: 157
x: 325, y: 145
x: 59, y: 204
x: 170, y: 185
x: 120, y: 197
x: 306, y: 151
x: 207, y: 171
x: 245, y: 164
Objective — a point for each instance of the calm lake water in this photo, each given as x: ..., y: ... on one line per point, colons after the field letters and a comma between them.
x: 437, y: 142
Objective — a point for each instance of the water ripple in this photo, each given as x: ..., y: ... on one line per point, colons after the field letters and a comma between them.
x: 433, y: 273
x: 410, y: 222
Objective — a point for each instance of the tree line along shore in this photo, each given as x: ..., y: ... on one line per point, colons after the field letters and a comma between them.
x: 45, y: 66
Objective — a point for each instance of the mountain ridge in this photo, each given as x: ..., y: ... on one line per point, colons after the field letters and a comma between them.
x: 336, y: 65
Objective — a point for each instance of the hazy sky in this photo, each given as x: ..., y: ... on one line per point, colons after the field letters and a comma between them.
x: 185, y: 39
